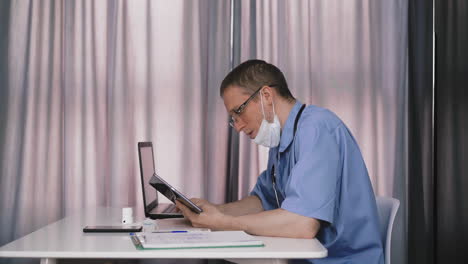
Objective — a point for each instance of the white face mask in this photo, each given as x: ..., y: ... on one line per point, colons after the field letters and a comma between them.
x: 269, y: 134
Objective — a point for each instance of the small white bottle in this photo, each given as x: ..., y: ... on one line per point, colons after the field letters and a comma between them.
x: 127, y: 215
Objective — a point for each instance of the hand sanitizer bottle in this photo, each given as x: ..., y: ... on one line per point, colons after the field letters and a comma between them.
x: 149, y: 225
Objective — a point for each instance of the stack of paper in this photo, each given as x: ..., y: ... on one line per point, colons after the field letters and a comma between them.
x: 195, y: 240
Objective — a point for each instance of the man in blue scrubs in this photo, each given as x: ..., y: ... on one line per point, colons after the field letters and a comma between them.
x: 316, y: 183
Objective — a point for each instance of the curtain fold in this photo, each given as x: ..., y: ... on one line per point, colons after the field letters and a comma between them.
x: 420, y: 203
x: 4, y: 36
x: 451, y: 130
x: 87, y: 81
x: 232, y: 172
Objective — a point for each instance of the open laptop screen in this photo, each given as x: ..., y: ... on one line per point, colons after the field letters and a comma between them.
x: 147, y: 170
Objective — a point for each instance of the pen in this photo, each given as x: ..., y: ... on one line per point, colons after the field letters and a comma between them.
x: 172, y: 231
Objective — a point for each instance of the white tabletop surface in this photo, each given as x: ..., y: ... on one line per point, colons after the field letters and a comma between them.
x: 65, y: 239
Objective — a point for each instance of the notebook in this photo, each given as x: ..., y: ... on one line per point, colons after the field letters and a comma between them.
x: 190, y: 240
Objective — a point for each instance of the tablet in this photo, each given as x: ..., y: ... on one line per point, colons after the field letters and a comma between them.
x: 172, y: 194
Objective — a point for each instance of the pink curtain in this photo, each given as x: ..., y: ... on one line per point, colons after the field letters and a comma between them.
x: 87, y: 81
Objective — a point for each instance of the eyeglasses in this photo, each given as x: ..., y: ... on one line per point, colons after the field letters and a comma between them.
x: 238, y: 111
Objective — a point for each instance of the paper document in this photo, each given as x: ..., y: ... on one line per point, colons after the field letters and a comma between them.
x: 176, y: 224
x: 195, y: 240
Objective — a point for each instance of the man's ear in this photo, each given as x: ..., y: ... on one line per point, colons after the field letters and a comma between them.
x: 267, y: 93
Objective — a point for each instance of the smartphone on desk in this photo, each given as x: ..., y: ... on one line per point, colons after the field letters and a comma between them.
x: 112, y: 229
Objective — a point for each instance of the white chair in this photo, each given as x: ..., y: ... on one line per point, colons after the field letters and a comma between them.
x: 387, y: 208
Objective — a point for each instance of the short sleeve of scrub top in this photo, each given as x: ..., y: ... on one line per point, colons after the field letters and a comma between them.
x: 264, y: 191
x: 312, y: 188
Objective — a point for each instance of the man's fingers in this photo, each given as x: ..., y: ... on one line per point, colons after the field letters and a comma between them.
x: 185, y: 210
x: 197, y: 201
x: 181, y: 207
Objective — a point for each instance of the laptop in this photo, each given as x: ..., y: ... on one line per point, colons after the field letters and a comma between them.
x: 153, y: 209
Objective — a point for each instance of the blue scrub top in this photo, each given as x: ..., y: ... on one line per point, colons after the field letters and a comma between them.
x: 321, y: 174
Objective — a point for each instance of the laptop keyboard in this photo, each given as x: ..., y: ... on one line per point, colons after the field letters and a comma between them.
x: 170, y: 209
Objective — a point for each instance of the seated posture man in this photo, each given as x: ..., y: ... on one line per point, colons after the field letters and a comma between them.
x: 316, y: 183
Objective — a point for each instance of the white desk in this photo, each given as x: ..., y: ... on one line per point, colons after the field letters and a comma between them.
x: 65, y: 239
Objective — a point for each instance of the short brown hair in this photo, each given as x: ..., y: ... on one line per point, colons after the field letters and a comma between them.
x: 253, y: 74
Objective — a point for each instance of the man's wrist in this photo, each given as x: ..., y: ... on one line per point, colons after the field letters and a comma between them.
x: 221, y: 208
x: 236, y: 223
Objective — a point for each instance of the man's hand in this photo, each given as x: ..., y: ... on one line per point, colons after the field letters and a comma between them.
x: 211, y: 217
x: 277, y: 223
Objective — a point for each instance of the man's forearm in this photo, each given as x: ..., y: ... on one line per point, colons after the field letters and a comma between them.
x: 279, y: 223
x: 248, y: 205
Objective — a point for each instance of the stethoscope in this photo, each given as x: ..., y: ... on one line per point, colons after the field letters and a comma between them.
x: 273, y: 171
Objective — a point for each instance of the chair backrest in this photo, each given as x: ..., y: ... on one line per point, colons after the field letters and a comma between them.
x: 387, y: 207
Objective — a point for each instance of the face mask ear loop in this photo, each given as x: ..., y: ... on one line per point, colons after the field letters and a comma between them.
x: 261, y: 100
x: 273, y: 102
x: 274, y: 113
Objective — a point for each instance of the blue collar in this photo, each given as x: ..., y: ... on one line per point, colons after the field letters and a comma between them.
x: 288, y: 130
